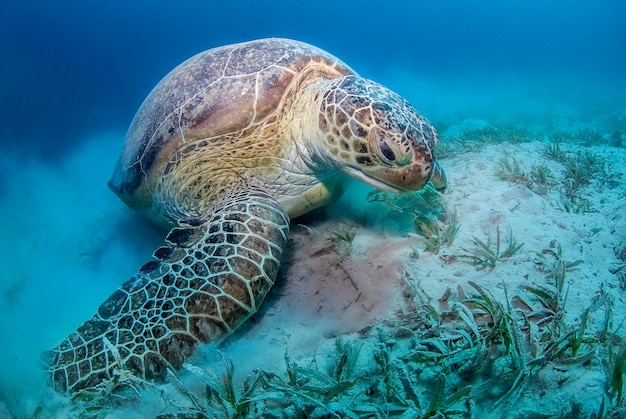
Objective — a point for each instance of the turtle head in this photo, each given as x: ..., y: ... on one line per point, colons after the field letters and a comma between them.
x: 376, y: 136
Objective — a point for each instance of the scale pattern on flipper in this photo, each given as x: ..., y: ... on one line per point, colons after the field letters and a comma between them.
x: 208, y: 279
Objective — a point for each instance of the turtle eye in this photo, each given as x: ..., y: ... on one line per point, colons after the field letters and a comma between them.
x: 382, y: 147
x: 388, y: 150
x: 385, y: 150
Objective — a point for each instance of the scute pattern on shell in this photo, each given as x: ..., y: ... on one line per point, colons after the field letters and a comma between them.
x: 218, y: 92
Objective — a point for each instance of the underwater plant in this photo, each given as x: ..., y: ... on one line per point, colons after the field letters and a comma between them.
x: 619, y: 269
x: 553, y: 150
x: 435, y: 226
x: 615, y: 125
x: 474, y: 139
x: 582, y: 206
x: 615, y: 367
x: 123, y: 389
x: 303, y: 392
x: 510, y: 171
x: 588, y: 136
x: 435, y: 234
x: 538, y: 180
x: 579, y: 170
x: 487, y: 254
x: 542, y: 177
x: 505, y: 345
x: 582, y: 136
x: 342, y: 238
x: 35, y: 415
x: 427, y: 202
x: 552, y: 263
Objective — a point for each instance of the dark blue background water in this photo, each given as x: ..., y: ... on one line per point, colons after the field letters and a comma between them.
x: 70, y: 68
x: 74, y: 72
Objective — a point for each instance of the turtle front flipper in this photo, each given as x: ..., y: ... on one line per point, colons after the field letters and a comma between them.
x: 201, y: 286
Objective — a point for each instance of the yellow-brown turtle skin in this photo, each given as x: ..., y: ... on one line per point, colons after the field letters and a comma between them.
x: 225, y: 150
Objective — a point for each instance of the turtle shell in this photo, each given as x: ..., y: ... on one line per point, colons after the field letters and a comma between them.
x: 215, y: 93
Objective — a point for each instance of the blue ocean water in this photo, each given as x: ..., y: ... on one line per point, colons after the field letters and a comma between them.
x: 73, y: 74
x: 70, y: 68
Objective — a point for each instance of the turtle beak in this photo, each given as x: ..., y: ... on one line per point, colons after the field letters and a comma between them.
x: 438, y: 178
x: 406, y: 180
x: 375, y: 183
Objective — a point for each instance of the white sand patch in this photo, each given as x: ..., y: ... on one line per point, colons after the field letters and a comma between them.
x: 322, y: 295
x: 484, y: 202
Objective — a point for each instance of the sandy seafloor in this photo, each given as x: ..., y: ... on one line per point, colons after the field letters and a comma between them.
x: 68, y: 243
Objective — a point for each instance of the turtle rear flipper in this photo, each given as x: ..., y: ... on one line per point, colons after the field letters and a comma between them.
x: 202, y: 285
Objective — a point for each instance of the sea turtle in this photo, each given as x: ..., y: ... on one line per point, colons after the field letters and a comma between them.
x: 225, y: 150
